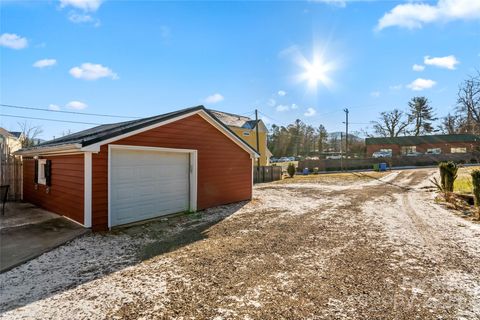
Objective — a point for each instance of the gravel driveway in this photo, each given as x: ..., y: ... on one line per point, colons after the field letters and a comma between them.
x: 353, y: 247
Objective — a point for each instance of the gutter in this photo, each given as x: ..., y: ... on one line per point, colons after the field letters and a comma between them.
x: 50, y: 150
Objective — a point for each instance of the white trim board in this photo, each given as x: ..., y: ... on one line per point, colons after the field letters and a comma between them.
x: 87, y: 202
x: 193, y: 172
x: 96, y: 146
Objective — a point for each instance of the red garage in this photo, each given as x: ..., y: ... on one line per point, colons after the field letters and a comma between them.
x: 120, y: 173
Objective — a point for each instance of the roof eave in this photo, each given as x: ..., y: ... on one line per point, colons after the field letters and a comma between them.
x: 50, y: 150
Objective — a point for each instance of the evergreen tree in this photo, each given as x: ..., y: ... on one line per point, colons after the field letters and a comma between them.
x: 421, y: 116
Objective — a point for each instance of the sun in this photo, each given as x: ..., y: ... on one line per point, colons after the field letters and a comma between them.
x: 316, y: 72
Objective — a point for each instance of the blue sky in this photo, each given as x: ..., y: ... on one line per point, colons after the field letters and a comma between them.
x: 135, y: 58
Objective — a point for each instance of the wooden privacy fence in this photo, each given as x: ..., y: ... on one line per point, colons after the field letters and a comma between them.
x: 11, y: 172
x: 267, y: 174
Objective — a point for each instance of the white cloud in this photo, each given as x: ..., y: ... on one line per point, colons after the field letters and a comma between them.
x: 282, y: 108
x: 53, y: 107
x: 271, y: 102
x: 214, y: 98
x: 281, y: 93
x: 337, y: 3
x: 286, y: 107
x: 77, y: 105
x: 80, y: 18
x: 85, y: 5
x: 421, y: 84
x: 418, y: 67
x: 447, y: 62
x: 310, y: 112
x: 375, y: 94
x: 415, y: 15
x: 13, y: 41
x: 90, y: 71
x: 396, y: 87
x: 45, y: 63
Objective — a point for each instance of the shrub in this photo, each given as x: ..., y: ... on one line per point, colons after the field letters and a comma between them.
x: 473, y: 160
x: 291, y: 170
x: 476, y: 189
x: 448, y: 174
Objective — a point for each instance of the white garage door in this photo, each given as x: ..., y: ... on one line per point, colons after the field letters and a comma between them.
x: 147, y: 184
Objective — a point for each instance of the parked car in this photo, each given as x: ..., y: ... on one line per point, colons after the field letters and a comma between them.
x: 284, y: 159
x: 414, y: 154
x: 334, y: 157
x: 273, y: 160
x: 434, y: 151
x: 382, y: 154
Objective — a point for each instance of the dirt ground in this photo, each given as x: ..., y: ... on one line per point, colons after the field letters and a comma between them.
x: 358, y: 246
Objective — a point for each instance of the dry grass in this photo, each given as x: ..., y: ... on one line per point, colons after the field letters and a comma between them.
x: 463, y: 184
x: 344, y: 177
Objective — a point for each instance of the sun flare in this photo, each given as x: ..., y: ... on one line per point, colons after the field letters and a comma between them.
x: 316, y: 72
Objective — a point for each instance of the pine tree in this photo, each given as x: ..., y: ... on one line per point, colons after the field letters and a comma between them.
x: 421, y: 115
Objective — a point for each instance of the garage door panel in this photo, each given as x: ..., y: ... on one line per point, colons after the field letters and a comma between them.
x: 147, y: 184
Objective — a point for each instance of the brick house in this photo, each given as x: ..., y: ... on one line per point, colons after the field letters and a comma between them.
x: 436, y: 144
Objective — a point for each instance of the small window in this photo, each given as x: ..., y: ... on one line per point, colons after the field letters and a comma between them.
x: 458, y: 150
x: 246, y: 133
x: 409, y: 149
x: 386, y: 150
x: 42, y: 179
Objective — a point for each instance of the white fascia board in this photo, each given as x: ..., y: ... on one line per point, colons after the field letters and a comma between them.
x: 53, y: 150
x: 96, y: 146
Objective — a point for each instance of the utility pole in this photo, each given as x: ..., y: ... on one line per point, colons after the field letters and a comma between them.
x: 258, y: 138
x: 346, y: 131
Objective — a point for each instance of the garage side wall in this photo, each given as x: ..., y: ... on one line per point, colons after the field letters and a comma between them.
x: 65, y: 195
x: 224, y: 169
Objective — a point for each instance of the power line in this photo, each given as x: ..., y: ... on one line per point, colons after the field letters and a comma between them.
x: 54, y: 120
x: 69, y: 112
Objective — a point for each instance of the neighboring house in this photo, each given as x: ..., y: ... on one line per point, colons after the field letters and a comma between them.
x: 11, y: 140
x: 120, y: 173
x: 433, y: 144
x: 245, y: 128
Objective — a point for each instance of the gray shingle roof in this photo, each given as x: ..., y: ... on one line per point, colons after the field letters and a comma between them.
x: 234, y: 120
x: 107, y: 131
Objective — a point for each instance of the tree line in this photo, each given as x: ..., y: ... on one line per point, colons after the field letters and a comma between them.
x: 419, y: 118
x: 302, y: 139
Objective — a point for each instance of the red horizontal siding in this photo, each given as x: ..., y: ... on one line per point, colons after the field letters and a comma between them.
x: 224, y: 169
x: 66, y: 193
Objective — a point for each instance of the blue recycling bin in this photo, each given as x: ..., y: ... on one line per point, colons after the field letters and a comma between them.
x: 382, y: 166
x: 305, y: 171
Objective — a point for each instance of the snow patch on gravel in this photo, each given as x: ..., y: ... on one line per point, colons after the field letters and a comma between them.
x: 82, y: 260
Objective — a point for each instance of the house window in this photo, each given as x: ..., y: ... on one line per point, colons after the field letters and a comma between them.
x: 42, y: 179
x: 246, y: 133
x: 458, y: 150
x: 434, y: 151
x: 409, y: 149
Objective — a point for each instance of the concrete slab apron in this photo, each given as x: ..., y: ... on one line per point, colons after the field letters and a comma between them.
x: 21, y: 244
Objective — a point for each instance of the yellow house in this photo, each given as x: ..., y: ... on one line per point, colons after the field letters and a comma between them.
x: 245, y: 128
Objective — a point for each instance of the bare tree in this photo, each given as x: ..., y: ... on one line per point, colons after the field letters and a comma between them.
x: 451, y: 124
x: 391, y: 123
x: 29, y: 134
x: 468, y: 103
